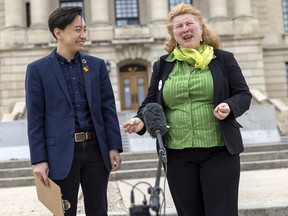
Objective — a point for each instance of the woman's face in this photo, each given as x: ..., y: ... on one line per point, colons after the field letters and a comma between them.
x: 187, y: 31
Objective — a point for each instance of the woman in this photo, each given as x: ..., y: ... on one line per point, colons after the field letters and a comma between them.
x: 202, y: 91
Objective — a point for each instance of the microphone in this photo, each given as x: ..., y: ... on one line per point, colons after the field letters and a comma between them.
x: 155, y: 120
x: 156, y: 125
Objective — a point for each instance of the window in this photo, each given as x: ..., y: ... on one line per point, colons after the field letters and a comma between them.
x: 286, y: 67
x: 28, y: 14
x: 64, y: 3
x: 127, y: 12
x: 285, y: 14
x: 173, y: 3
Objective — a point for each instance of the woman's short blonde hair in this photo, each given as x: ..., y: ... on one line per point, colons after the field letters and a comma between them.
x: 208, y: 36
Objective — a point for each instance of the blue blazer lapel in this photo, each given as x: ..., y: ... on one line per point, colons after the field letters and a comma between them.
x: 87, y: 73
x: 54, y: 64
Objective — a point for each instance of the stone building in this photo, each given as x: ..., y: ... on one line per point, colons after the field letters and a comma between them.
x: 129, y: 35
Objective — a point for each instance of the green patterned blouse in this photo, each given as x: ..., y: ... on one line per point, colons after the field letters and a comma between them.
x: 188, y: 97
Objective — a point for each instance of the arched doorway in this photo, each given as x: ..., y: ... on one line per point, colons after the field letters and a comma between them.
x: 133, y: 86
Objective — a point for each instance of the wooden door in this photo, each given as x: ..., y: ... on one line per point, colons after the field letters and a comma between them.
x: 133, y: 86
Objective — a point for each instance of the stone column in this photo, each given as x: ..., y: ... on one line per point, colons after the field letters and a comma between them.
x: 218, y: 9
x: 100, y: 28
x: 14, y: 13
x: 159, y: 12
x: 245, y: 23
x: 40, y: 11
x: 242, y: 8
x: 99, y: 13
x: 219, y: 19
x: 13, y: 35
x: 38, y: 32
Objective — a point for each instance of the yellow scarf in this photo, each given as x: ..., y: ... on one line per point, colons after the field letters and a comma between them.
x: 198, y: 58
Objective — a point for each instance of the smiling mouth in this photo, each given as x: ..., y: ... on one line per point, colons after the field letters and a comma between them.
x: 187, y: 37
x: 81, y: 42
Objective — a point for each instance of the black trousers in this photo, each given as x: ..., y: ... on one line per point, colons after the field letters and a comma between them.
x: 88, y: 169
x: 204, y: 181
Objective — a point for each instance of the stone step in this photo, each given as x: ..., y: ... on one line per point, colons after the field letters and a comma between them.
x: 144, y: 165
x: 134, y: 156
x: 16, y: 172
x: 145, y: 172
x: 135, y: 174
x: 136, y: 161
x: 132, y: 169
x: 245, y: 157
x: 14, y: 164
x: 267, y: 155
x: 152, y: 172
x: 267, y: 164
x: 139, y: 164
x: 16, y: 182
x: 252, y: 152
x: 266, y: 147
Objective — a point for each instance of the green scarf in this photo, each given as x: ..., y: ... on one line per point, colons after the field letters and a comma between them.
x: 198, y: 58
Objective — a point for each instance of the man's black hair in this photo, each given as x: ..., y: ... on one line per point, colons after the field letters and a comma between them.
x: 63, y: 16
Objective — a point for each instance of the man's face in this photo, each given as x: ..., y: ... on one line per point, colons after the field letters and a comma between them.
x: 73, y: 37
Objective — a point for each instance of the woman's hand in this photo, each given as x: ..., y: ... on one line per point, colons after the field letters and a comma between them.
x: 134, y: 125
x: 221, y: 111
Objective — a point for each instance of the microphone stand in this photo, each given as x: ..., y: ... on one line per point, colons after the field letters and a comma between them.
x: 162, y: 150
x: 154, y: 204
x: 155, y: 191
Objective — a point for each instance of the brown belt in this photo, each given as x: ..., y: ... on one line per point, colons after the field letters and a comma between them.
x: 83, y: 136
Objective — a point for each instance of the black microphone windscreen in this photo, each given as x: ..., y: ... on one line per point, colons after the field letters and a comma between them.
x: 154, y: 119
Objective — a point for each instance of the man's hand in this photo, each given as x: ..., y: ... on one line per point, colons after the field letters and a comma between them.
x: 41, y: 170
x: 115, y: 160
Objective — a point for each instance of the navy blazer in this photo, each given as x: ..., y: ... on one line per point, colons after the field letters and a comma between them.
x: 51, y: 120
x: 229, y: 86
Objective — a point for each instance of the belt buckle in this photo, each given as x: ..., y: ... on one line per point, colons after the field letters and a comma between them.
x: 79, y: 137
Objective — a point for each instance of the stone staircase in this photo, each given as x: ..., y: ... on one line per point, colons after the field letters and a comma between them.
x: 17, y: 173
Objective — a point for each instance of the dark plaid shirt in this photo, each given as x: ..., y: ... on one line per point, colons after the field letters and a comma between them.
x: 72, y: 72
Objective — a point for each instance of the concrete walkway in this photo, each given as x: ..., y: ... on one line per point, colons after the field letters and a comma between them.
x: 262, y: 192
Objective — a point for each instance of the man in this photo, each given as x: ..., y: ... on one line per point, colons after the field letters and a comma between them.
x: 73, y: 130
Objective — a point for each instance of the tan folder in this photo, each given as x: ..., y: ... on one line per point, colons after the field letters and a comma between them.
x: 50, y: 197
